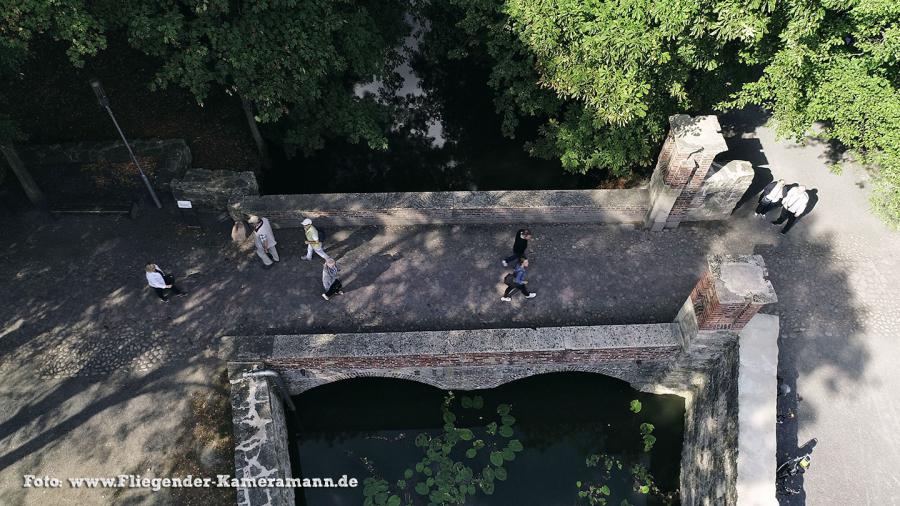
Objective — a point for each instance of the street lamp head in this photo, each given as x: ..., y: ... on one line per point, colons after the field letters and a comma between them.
x: 98, y: 91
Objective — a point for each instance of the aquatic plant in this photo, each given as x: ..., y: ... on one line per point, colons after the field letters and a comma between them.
x: 448, y: 471
x: 610, y: 469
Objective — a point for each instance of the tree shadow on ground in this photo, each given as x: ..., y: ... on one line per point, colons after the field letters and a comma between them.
x: 62, y: 323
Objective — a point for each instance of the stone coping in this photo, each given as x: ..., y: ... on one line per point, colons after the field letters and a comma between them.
x: 452, y: 200
x: 454, y: 342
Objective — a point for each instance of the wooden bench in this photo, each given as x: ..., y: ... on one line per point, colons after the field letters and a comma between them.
x: 129, y: 209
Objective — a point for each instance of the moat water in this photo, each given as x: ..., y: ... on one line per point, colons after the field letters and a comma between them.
x: 369, y: 427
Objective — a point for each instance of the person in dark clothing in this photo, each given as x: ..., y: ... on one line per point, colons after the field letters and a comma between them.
x: 518, y: 282
x: 771, y: 196
x: 519, y: 247
x: 161, y: 282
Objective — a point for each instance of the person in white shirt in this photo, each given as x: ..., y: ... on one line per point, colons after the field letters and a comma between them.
x: 264, y: 239
x: 770, y: 197
x: 161, y: 282
x: 793, y: 206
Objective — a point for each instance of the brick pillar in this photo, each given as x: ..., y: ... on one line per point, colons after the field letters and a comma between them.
x: 730, y: 292
x: 687, y: 154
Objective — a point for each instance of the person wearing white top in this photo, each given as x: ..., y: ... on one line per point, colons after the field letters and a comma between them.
x: 264, y: 239
x: 794, y: 205
x: 770, y: 197
x: 161, y: 282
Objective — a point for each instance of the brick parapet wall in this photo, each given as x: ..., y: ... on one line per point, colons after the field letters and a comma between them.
x: 476, y: 207
x: 716, y: 306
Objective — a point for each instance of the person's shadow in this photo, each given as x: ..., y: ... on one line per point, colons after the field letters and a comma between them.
x: 761, y: 177
x: 813, y: 200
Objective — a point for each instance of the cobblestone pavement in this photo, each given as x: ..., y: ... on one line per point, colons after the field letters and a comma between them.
x: 77, y: 312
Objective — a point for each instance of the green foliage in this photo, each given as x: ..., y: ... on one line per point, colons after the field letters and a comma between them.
x: 602, y: 76
x: 71, y: 21
x: 295, y: 60
x: 610, y: 467
x: 836, y: 64
x: 442, y: 475
x: 647, y: 435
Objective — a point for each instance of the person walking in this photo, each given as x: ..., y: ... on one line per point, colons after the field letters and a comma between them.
x: 519, y: 246
x: 264, y: 239
x: 330, y: 281
x: 161, y: 282
x: 770, y: 198
x: 794, y: 205
x: 518, y: 282
x: 312, y: 241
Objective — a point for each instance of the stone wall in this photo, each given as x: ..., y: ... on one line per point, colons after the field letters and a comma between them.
x: 465, y: 359
x: 173, y: 157
x: 710, y: 448
x: 261, y: 438
x: 720, y: 192
x: 212, y: 190
x: 475, y: 207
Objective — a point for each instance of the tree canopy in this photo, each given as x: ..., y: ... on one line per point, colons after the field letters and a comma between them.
x: 600, y: 77
x: 605, y: 75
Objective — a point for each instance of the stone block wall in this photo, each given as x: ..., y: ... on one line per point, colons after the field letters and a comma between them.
x: 261, y: 438
x: 212, y: 190
x: 720, y: 192
x: 710, y: 448
x: 475, y: 207
x: 173, y: 157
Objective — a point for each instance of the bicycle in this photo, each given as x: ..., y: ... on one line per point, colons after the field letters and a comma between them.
x: 793, y: 467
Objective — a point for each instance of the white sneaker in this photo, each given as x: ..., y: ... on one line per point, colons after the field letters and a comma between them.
x: 506, y: 299
x: 504, y: 263
x: 325, y: 297
x: 531, y: 295
x: 305, y: 258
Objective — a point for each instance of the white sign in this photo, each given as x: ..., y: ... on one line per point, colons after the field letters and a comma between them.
x: 184, y: 204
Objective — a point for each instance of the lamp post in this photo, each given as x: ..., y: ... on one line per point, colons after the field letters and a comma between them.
x: 104, y: 102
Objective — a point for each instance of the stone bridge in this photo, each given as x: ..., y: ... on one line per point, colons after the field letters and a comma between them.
x: 697, y: 356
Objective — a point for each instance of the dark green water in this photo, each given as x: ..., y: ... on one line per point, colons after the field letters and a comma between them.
x: 364, y: 426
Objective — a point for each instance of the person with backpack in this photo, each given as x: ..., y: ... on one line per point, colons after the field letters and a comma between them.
x: 312, y: 241
x: 330, y: 281
x: 794, y: 205
x: 519, y: 246
x: 517, y: 282
x: 264, y: 239
x: 161, y: 282
x: 770, y: 198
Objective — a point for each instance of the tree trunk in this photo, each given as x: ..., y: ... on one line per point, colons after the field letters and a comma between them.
x: 257, y: 137
x: 35, y: 195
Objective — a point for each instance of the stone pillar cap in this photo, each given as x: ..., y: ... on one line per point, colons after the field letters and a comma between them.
x: 740, y: 279
x: 697, y: 132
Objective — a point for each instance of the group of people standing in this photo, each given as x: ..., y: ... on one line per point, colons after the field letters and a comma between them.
x: 793, y: 199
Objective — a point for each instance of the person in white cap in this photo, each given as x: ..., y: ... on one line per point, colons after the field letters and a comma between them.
x: 312, y: 241
x: 794, y: 205
x: 264, y: 240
